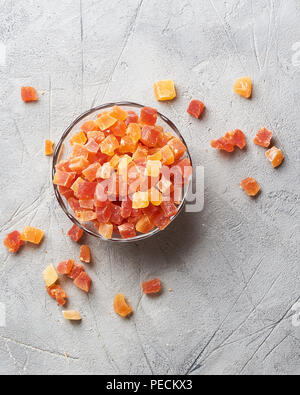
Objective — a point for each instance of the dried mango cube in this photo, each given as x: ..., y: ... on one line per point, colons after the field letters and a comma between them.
x: 250, y: 186
x: 28, y: 93
x: 127, y: 145
x: 118, y: 113
x: 49, y: 147
x: 148, y: 115
x: 105, y: 121
x: 155, y: 196
x: 134, y: 131
x: 71, y: 315
x: 196, y: 108
x: 33, y: 235
x: 91, y: 172
x: 144, y: 225
x: 120, y: 306
x: 78, y: 138
x: 164, y: 90
x: 13, y: 241
x: 118, y: 129
x: 56, y: 292
x: 75, y: 233
x: 89, y: 126
x: 106, y: 230
x: 153, y: 168
x: 65, y: 267
x: 152, y: 286
x: 127, y: 230
x: 64, y: 178
x: 83, y: 282
x: 140, y: 200
x: 177, y: 147
x: 167, y: 156
x: 50, y: 275
x: 85, y: 254
x: 263, y: 137
x: 109, y: 145
x: 275, y: 156
x: 243, y: 87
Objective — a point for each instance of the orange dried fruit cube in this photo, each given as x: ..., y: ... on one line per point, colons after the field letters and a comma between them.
x: 153, y: 168
x: 243, y: 87
x: 87, y: 203
x: 105, y: 171
x: 75, y: 271
x: 164, y: 90
x: 152, y: 286
x: 49, y: 147
x: 126, y: 208
x: 127, y: 145
x: 236, y: 138
x: 120, y: 306
x: 89, y: 126
x: 85, y: 254
x: 118, y: 129
x: 13, y: 241
x: 167, y: 156
x: 78, y: 164
x: 148, y: 115
x: 140, y: 200
x: 64, y: 178
x: 105, y: 121
x: 83, y: 282
x: 155, y: 156
x: 263, y: 137
x: 75, y: 233
x: 127, y: 230
x: 96, y: 135
x: 109, y: 145
x: 114, y: 162
x: 144, y: 225
x: 118, y: 113
x: 150, y: 136
x: 85, y: 215
x: 196, y: 108
x: 222, y: 144
x: 32, y: 235
x: 164, y: 185
x: 123, y: 166
x: 250, y: 186
x: 75, y: 185
x: 78, y: 138
x: 56, y: 292
x: 74, y: 204
x: 65, y: 267
x: 275, y: 156
x: 28, y: 93
x: 71, y: 315
x: 91, y: 172
x: 92, y: 146
x: 106, y: 230
x: 177, y: 147
x: 140, y: 155
x: 79, y: 151
x: 134, y: 131
x: 50, y: 275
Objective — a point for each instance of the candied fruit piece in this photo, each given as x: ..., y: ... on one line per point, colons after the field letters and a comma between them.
x: 96, y: 135
x: 79, y: 150
x: 153, y: 168
x: 71, y: 315
x: 105, y: 171
x: 243, y: 87
x: 177, y: 147
x: 50, y: 275
x: 120, y: 306
x: 63, y: 178
x: 155, y: 196
x: 56, y: 292
x: 116, y: 217
x: 140, y: 200
x: 236, y: 138
x: 132, y: 117
x: 169, y: 209
x: 150, y: 136
x: 13, y: 241
x: 86, y: 190
x: 127, y: 145
x: 33, y: 235
x: 92, y: 146
x: 91, y: 172
x: 275, y: 156
x: 164, y: 185
x: 250, y: 186
x: 118, y: 113
x: 155, y: 155
x: 127, y: 230
x: 106, y: 230
x: 152, y: 286
x: 114, y: 162
x: 144, y: 225
x: 186, y: 169
x: 74, y: 204
x: 222, y: 144
x: 78, y: 164
x: 85, y: 254
x: 263, y: 137
x: 89, y: 126
x: 167, y: 156
x: 164, y: 90
x: 140, y: 155
x: 196, y: 108
x: 118, y: 129
x: 83, y: 282
x: 126, y: 208
x: 85, y: 215
x: 75, y: 185
x: 160, y: 220
x: 104, y: 213
x: 86, y: 203
x: 75, y: 233
x: 66, y: 192
x: 109, y: 145
x: 75, y: 271
x: 148, y: 115
x: 49, y: 147
x: 78, y: 138
x: 65, y: 267
x: 28, y: 93
x: 105, y: 121
x: 134, y: 131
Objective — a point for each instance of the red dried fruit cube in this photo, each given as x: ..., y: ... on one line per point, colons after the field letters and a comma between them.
x: 75, y: 271
x: 65, y: 267
x: 74, y: 204
x: 104, y: 213
x: 250, y: 186
x: 28, y: 93
x: 148, y: 115
x: 127, y: 230
x: 56, y: 292
x: 66, y: 192
x: 13, y: 241
x: 160, y: 220
x: 263, y: 137
x: 150, y: 136
x: 237, y: 138
x: 75, y: 233
x: 116, y: 217
x: 63, y: 178
x: 132, y: 117
x: 85, y: 254
x: 83, y: 281
x: 152, y: 286
x: 118, y: 129
x: 169, y: 209
x: 126, y: 208
x: 222, y: 144
x: 177, y: 147
x: 86, y: 190
x: 196, y: 108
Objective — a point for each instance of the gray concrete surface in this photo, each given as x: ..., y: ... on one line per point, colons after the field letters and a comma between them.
x: 234, y: 267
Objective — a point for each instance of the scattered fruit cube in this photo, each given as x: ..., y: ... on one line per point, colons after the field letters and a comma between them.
x: 28, y: 93
x: 65, y: 267
x: 57, y: 293
x: 120, y: 306
x: 196, y: 108
x: 32, y: 235
x: 263, y: 137
x: 13, y: 241
x: 85, y: 254
x: 50, y: 275
x: 152, y: 286
x: 49, y: 147
x: 75, y: 271
x: 164, y: 90
x: 243, y: 87
x: 71, y: 315
x: 250, y: 186
x: 83, y: 281
x: 75, y: 233
x: 275, y: 156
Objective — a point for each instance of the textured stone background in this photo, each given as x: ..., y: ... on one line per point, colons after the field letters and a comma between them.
x: 234, y: 268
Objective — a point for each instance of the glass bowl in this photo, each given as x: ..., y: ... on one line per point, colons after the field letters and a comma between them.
x: 63, y: 150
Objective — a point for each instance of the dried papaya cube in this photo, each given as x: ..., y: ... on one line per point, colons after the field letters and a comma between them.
x: 155, y: 196
x: 164, y: 185
x: 92, y: 146
x: 167, y: 156
x: 13, y: 241
x: 105, y: 121
x: 160, y: 220
x: 75, y: 271
x: 96, y: 135
x: 157, y: 155
x: 153, y: 168
x: 263, y: 137
x: 140, y: 155
x: 150, y: 136
x: 164, y: 90
x: 114, y: 162
x: 66, y: 192
x: 275, y: 156
x: 134, y: 131
x: 116, y: 217
x: 185, y: 167
x: 101, y: 158
x: 85, y: 254
x: 28, y: 93
x: 118, y: 113
x: 148, y: 116
x: 79, y: 151
x: 75, y: 185
x: 151, y: 210
x: 109, y: 145
x: 177, y: 147
x: 91, y: 172
x: 123, y: 165
x: 104, y: 213
x: 85, y: 215
x: 32, y: 235
x: 64, y: 178
x: 86, y: 190
x: 243, y: 87
x: 120, y: 306
x: 164, y: 138
x: 65, y: 267
x: 63, y: 166
x: 140, y: 200
x: 78, y: 138
x: 250, y: 186
x: 106, y: 230
x: 71, y: 315
x: 236, y: 137
x: 105, y: 171
x: 56, y: 292
x: 132, y: 117
x: 196, y: 108
x: 152, y: 286
x: 89, y: 126
x: 74, y: 204
x: 83, y: 282
x: 144, y: 225
x: 118, y: 129
x: 127, y: 230
x: 75, y: 233
x: 50, y: 275
x: 127, y: 145
x: 222, y: 144
x: 78, y: 164
x: 49, y: 147
x: 126, y: 208
x: 169, y: 209
x: 86, y: 203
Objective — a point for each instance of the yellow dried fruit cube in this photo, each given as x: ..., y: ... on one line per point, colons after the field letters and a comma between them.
x: 105, y: 121
x: 156, y: 156
x: 115, y: 161
x: 140, y: 200
x: 123, y: 165
x: 50, y: 275
x: 71, y: 315
x: 49, y: 147
x: 105, y: 171
x: 75, y: 185
x: 153, y: 168
x: 33, y: 235
x: 155, y: 196
x: 243, y: 87
x: 164, y: 90
x: 118, y: 113
x: 134, y: 131
x: 78, y: 138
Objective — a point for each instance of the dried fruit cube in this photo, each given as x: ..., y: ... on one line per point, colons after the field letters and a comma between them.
x: 105, y: 171
x: 250, y: 186
x: 50, y: 275
x: 75, y: 233
x: 160, y: 220
x: 275, y: 156
x: 153, y: 168
x: 243, y: 87
x: 155, y: 197
x: 263, y: 137
x: 71, y: 315
x: 96, y: 135
x: 150, y: 136
x: 83, y: 282
x: 105, y: 121
x: 13, y: 241
x: 78, y: 164
x: 144, y: 225
x: 28, y: 93
x: 131, y: 118
x: 109, y: 145
x: 127, y: 145
x: 92, y: 146
x: 118, y: 113
x: 33, y: 235
x: 118, y: 129
x: 148, y: 115
x: 86, y: 190
x: 167, y: 156
x: 75, y: 185
x: 140, y: 155
x: 85, y: 215
x: 127, y: 230
x: 152, y: 286
x: 85, y: 254
x: 89, y: 126
x: 91, y: 172
x: 196, y: 108
x: 134, y: 131
x: 78, y: 138
x: 177, y: 147
x: 86, y: 203
x: 126, y: 208
x: 104, y: 213
x: 169, y: 209
x: 157, y: 155
x: 106, y: 230
x: 236, y: 138
x: 116, y: 217
x: 75, y: 271
x: 65, y: 267
x: 222, y: 144
x: 79, y: 150
x: 140, y: 200
x: 49, y: 147
x: 164, y: 90
x: 57, y: 293
x: 63, y: 178
x: 120, y: 306
x: 114, y: 162
x: 164, y: 185
x: 74, y: 204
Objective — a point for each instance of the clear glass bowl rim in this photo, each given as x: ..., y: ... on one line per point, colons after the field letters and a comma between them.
x: 56, y: 157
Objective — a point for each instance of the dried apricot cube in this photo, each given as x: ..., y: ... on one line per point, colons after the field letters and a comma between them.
x: 13, y: 241
x: 118, y: 129
x: 152, y: 286
x: 28, y: 93
x: 78, y: 138
x: 144, y: 225
x: 50, y: 275
x: 140, y: 200
x: 65, y: 267
x: 49, y: 147
x: 89, y: 126
x: 275, y: 156
x: 63, y: 178
x: 83, y: 282
x: 105, y: 121
x: 75, y: 233
x: 109, y: 145
x: 75, y: 271
x: 118, y: 113
x: 56, y: 292
x: 250, y: 186
x: 243, y: 87
x: 32, y: 235
x: 120, y: 306
x: 106, y: 230
x: 196, y: 108
x: 148, y: 115
x: 263, y: 137
x: 177, y: 147
x: 164, y: 90
x: 71, y: 315
x: 127, y: 230
x: 85, y: 254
